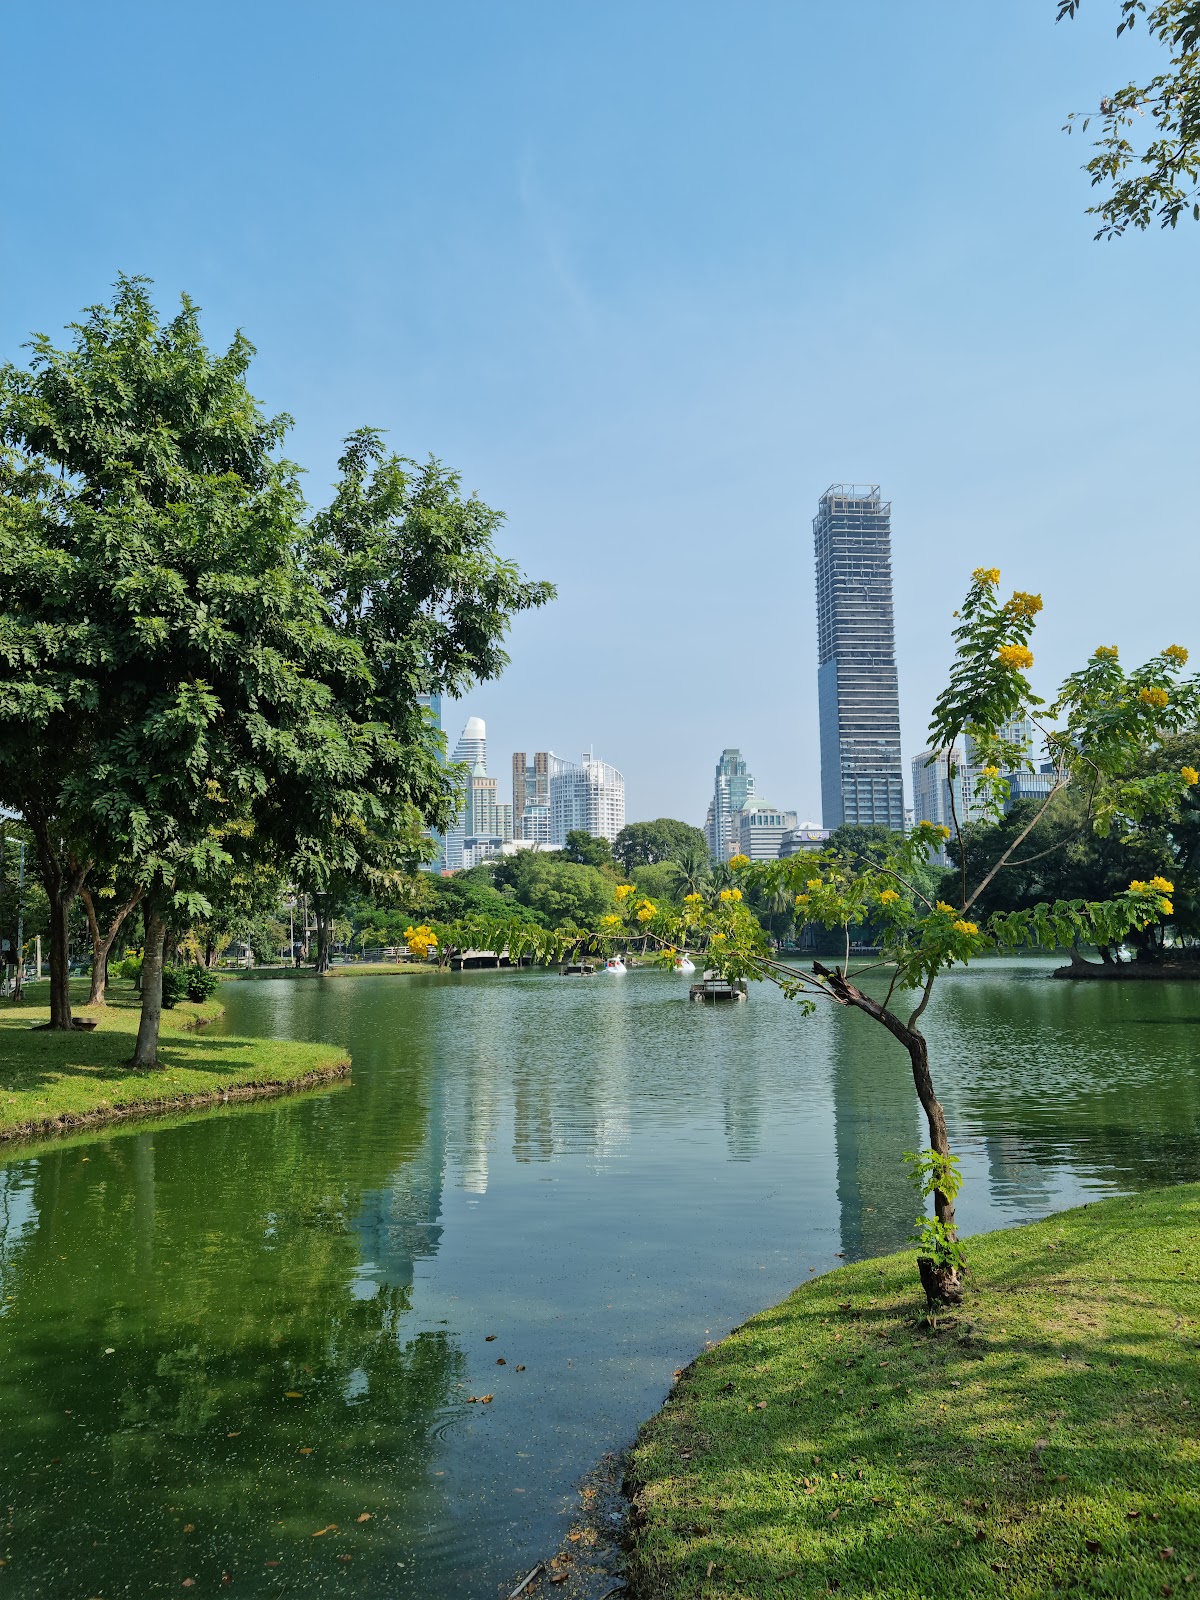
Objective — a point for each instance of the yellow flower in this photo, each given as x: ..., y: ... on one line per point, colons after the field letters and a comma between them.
x: 801, y: 899
x: 624, y: 889
x: 942, y: 830
x: 692, y: 899
x: 888, y: 897
x: 1177, y: 654
x: 645, y: 911
x: 731, y: 894
x: 1157, y: 698
x: 942, y: 906
x: 1024, y: 605
x: 1162, y: 886
x: 1106, y: 652
x: 1166, y: 908
x: 1138, y: 887
x: 966, y: 927
x: 988, y: 575
x: 814, y: 883
x: 1017, y: 656
x: 1189, y: 775
x: 737, y: 862
x: 610, y: 921
x: 991, y: 772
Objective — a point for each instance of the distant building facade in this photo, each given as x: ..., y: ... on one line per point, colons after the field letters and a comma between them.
x: 733, y: 790
x: 482, y: 825
x: 805, y: 836
x: 936, y: 797
x: 862, y: 780
x: 759, y: 830
x: 586, y: 795
x: 531, y: 797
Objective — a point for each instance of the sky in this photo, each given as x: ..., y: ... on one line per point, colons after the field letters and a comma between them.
x: 652, y: 274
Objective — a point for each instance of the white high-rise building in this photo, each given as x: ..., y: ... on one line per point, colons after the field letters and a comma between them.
x: 586, y: 796
x: 471, y: 750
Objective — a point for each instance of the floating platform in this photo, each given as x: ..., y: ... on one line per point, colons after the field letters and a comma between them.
x: 581, y: 969
x: 719, y: 989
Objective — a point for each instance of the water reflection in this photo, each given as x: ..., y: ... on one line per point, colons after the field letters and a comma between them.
x: 224, y: 1342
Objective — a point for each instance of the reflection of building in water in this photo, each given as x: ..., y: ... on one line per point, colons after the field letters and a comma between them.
x: 743, y: 1109
x: 1022, y: 1175
x: 876, y: 1120
x: 399, y: 1226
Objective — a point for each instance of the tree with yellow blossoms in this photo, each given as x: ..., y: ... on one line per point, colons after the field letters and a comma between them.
x: 1100, y: 715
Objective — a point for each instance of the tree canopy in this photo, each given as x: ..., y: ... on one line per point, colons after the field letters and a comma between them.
x: 643, y: 844
x: 1147, y: 160
x: 194, y: 668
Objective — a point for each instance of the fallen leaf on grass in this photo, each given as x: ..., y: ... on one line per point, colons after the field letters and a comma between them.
x: 1093, y: 1547
x: 329, y: 1528
x: 293, y: 1394
x: 306, y: 1449
x: 364, y: 1516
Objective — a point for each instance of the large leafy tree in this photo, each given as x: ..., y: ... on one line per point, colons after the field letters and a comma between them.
x: 211, y: 675
x: 1147, y: 160
x: 642, y: 844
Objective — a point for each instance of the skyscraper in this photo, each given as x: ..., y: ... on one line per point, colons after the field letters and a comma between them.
x: 733, y: 789
x: 588, y: 796
x: 861, y: 776
x: 471, y: 750
x: 531, y: 797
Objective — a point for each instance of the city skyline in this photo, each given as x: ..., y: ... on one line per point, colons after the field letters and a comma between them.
x: 638, y: 332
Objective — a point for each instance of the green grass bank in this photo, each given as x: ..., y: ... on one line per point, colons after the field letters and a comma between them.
x: 1043, y: 1440
x: 55, y: 1081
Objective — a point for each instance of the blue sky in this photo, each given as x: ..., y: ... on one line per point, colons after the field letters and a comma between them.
x: 651, y: 276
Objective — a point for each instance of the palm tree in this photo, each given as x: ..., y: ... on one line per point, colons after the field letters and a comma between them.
x: 693, y: 869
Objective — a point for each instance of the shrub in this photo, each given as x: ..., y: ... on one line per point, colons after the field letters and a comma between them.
x: 201, y: 983
x: 174, y: 986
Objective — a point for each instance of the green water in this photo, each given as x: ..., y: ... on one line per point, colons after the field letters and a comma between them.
x: 221, y: 1335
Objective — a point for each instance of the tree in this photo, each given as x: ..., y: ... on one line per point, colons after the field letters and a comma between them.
x: 209, y: 673
x: 693, y: 868
x: 1100, y: 715
x: 586, y: 850
x: 1158, y: 176
x: 642, y: 844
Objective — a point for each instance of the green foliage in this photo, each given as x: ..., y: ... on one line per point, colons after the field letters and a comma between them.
x: 585, y: 850
x: 200, y: 983
x: 1157, y: 174
x: 174, y: 986
x: 643, y: 844
x: 199, y: 678
x: 935, y: 1174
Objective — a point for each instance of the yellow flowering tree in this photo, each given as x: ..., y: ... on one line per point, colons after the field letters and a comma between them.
x: 1100, y: 714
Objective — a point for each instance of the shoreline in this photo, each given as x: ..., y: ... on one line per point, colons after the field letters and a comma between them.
x: 1044, y: 1434
x: 68, y: 1122
x: 52, y: 1084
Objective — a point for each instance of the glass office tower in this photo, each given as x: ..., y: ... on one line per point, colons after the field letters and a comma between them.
x: 861, y: 776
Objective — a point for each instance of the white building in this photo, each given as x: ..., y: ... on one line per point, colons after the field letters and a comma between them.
x: 933, y: 792
x: 586, y: 796
x: 758, y: 831
x: 733, y: 789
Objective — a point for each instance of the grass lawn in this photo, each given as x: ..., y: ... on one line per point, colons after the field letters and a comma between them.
x: 50, y: 1081
x: 1042, y: 1440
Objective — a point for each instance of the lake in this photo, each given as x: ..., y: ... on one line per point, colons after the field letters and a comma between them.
x: 239, y: 1348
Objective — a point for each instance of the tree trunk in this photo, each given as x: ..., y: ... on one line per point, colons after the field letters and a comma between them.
x: 941, y: 1283
x: 60, y: 969
x: 102, y: 941
x: 62, y: 881
x: 145, y: 1054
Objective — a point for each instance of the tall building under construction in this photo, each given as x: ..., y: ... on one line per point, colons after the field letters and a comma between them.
x: 861, y: 776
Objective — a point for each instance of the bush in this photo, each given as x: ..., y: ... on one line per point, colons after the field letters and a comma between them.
x: 201, y: 983
x: 130, y: 967
x: 174, y: 986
